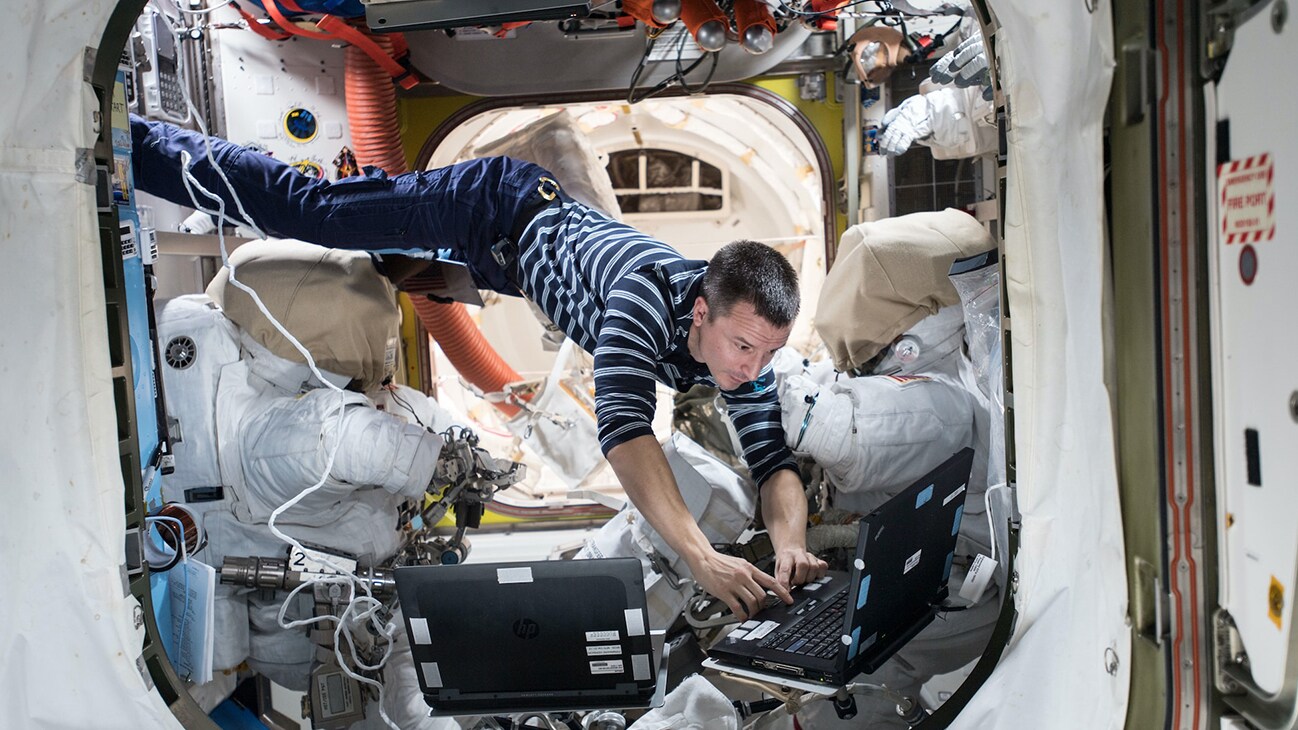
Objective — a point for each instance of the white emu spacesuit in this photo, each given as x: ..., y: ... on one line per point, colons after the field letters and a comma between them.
x: 254, y: 427
x: 895, y: 318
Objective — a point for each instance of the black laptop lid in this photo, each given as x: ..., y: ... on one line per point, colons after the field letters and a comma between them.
x: 903, y: 558
x: 528, y: 629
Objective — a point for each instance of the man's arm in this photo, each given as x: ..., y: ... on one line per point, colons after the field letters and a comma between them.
x: 633, y: 334
x: 784, y: 510
x: 642, y: 469
x: 755, y: 412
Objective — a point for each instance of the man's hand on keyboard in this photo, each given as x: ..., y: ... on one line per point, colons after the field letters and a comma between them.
x: 736, y: 582
x: 795, y: 566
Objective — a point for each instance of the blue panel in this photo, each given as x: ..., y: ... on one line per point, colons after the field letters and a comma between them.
x: 864, y: 594
x: 231, y: 716
x: 946, y: 572
x: 160, y: 592
x: 137, y: 296
x: 923, y: 497
x: 959, y: 515
x: 856, y: 643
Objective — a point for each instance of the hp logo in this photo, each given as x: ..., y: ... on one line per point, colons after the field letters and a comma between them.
x: 526, y: 628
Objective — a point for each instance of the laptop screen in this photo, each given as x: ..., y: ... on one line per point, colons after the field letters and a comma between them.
x: 523, y: 629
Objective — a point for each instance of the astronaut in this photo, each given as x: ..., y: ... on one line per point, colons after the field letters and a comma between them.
x: 254, y: 427
x: 895, y: 321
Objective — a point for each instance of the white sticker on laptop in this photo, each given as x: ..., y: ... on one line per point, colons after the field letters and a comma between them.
x: 432, y: 675
x: 813, y: 586
x: 634, y: 622
x: 750, y: 625
x: 607, y: 666
x: 953, y: 495
x: 737, y: 634
x: 640, y: 667
x: 593, y: 636
x: 761, y: 631
x: 419, y: 631
x: 604, y: 650
x: 513, y: 575
x: 912, y: 561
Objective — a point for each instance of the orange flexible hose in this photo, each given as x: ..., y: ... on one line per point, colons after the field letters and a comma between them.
x: 376, y: 140
x: 466, y: 348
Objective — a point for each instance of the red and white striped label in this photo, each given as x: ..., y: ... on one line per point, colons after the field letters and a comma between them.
x: 1246, y: 200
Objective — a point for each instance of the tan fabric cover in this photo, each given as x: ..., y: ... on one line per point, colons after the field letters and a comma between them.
x: 333, y: 301
x: 890, y: 274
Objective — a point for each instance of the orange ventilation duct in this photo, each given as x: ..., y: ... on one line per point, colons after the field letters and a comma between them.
x: 376, y: 139
x: 466, y: 348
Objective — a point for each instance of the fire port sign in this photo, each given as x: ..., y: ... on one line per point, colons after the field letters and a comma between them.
x: 1246, y: 200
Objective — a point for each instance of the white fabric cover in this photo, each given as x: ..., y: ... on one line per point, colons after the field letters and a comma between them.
x: 721, y: 501
x: 1056, y: 64
x: 695, y: 704
x: 557, y: 143
x: 70, y: 636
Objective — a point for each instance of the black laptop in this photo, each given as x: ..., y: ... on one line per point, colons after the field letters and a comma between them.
x: 848, y: 623
x: 515, y: 637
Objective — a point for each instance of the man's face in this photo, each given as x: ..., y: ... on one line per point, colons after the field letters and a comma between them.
x: 735, y: 346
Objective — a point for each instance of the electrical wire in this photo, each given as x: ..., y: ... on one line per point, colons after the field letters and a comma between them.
x: 678, y: 78
x: 991, y: 523
x: 202, y: 11
x: 392, y: 391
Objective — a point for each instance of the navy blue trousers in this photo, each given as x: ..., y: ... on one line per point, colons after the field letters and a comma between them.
x: 459, y: 211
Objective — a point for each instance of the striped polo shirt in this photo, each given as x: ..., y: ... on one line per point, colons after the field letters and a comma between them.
x: 628, y: 299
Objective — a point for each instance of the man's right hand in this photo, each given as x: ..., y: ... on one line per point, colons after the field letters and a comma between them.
x: 736, y: 582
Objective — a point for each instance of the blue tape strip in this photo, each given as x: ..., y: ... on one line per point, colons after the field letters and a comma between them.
x: 959, y: 515
x: 856, y: 643
x: 864, y: 593
x: 946, y: 572
x: 923, y: 497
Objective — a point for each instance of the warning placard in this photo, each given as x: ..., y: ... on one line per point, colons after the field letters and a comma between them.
x: 1246, y: 200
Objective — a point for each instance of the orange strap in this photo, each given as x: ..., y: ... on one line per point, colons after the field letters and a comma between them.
x: 272, y: 8
x: 338, y: 28
x: 256, y: 26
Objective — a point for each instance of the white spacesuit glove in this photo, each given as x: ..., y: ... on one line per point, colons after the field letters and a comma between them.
x: 904, y: 125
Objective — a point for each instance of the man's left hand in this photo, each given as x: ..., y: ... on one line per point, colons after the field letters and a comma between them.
x: 795, y: 566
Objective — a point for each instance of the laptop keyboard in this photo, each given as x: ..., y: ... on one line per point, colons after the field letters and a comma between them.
x: 818, y: 637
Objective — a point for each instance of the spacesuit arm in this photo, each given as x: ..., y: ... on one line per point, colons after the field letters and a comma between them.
x: 382, y: 450
x: 950, y: 121
x: 958, y: 117
x: 287, y: 446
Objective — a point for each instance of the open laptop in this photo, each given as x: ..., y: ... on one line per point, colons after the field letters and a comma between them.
x: 848, y: 623
x: 515, y: 637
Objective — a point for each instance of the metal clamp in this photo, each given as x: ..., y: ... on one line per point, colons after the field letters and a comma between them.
x: 548, y: 188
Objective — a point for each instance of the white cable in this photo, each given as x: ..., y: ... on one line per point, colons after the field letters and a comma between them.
x: 202, y: 11
x: 191, y: 184
x: 991, y: 523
